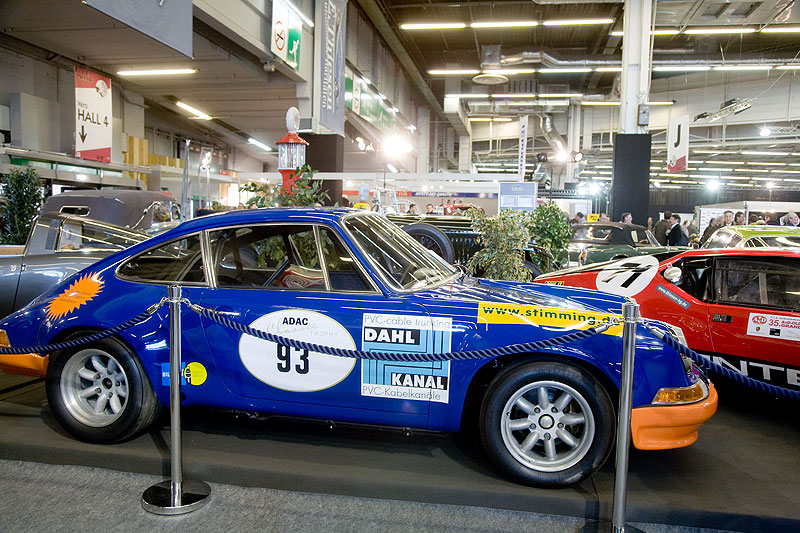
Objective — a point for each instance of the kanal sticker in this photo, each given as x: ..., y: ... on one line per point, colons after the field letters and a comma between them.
x: 426, y: 381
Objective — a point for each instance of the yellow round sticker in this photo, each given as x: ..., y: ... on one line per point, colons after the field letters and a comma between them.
x: 195, y: 374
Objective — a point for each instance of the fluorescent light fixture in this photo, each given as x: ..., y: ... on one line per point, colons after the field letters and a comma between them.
x: 764, y: 131
x: 715, y: 151
x: 685, y: 182
x: 784, y: 171
x: 788, y: 67
x: 712, y: 162
x: 506, y: 24
x: 196, y: 112
x: 712, y: 185
x: 661, y: 102
x: 433, y: 26
x: 577, y: 22
x: 760, y: 152
x: 770, y: 185
x: 466, y: 95
x: 480, y: 119
x: 366, y: 81
x: 501, y: 119
x: 510, y: 71
x: 719, y: 30
x: 259, y: 144
x: 762, y: 170
x: 599, y: 102
x: 781, y: 29
x: 617, y: 33
x: 767, y: 163
x: 392, y: 168
x: 608, y: 69
x: 561, y: 95
x: 654, y: 32
x: 572, y: 70
x: 668, y: 175
x: 720, y: 169
x: 157, y: 72
x: 681, y: 68
x: 743, y: 67
x: 453, y: 72
x: 514, y: 95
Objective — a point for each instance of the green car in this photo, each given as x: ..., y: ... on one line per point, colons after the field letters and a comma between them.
x: 754, y: 237
x: 605, y: 241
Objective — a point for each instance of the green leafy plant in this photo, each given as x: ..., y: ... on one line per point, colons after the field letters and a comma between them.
x: 503, y: 238
x: 24, y: 196
x: 306, y: 191
x: 264, y: 193
x: 549, y: 229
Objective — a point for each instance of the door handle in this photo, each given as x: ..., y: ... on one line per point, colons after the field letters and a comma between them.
x: 228, y: 311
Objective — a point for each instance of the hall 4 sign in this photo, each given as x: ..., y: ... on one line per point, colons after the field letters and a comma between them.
x: 93, y: 128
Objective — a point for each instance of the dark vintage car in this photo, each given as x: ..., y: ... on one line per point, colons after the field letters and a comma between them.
x: 594, y: 242
x: 353, y: 280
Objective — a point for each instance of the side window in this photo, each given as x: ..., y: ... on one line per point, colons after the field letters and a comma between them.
x: 343, y: 273
x: 772, y: 282
x: 270, y: 256
x: 180, y: 260
x: 77, y: 235
x: 695, y: 278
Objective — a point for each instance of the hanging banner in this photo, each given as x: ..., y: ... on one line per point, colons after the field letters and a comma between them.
x: 93, y: 129
x: 523, y: 145
x: 678, y: 144
x: 329, y: 63
x: 287, y: 27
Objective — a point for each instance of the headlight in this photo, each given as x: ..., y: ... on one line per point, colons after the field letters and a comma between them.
x: 681, y: 395
x: 4, y: 342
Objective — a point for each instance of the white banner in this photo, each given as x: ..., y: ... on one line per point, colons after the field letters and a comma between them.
x: 523, y: 145
x: 678, y: 144
x: 93, y: 118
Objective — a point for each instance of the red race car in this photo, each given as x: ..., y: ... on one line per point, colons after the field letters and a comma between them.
x: 740, y: 307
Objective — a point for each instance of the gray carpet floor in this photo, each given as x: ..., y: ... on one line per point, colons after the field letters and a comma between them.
x: 40, y: 497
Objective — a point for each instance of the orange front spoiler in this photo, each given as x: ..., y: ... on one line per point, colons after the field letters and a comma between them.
x: 26, y: 364
x: 662, y: 427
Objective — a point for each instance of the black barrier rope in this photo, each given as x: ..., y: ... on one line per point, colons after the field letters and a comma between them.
x: 511, y: 349
x: 80, y: 341
x: 707, y: 364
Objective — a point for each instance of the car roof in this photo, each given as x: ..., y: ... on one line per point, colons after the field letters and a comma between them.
x: 266, y: 214
x: 762, y: 230
x: 754, y: 252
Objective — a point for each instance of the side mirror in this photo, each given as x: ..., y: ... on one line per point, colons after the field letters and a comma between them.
x: 673, y: 274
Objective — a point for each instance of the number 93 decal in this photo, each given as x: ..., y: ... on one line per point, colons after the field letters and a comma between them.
x: 292, y: 369
x: 627, y: 277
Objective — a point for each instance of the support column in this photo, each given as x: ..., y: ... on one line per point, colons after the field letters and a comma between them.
x: 423, y: 140
x: 464, y: 153
x: 631, y: 182
x: 573, y: 140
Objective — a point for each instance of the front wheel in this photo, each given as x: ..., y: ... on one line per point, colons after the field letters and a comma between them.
x: 547, y: 424
x: 100, y: 393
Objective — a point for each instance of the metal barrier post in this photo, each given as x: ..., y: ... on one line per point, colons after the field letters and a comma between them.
x: 175, y: 496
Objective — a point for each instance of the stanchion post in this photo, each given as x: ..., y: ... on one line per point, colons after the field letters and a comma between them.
x: 175, y: 496
x: 630, y: 315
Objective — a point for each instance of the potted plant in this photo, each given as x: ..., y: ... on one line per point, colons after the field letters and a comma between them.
x: 24, y: 196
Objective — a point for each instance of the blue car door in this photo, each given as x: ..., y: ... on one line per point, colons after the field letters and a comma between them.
x: 299, y: 280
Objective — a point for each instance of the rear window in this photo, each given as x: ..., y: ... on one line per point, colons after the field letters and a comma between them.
x: 180, y: 260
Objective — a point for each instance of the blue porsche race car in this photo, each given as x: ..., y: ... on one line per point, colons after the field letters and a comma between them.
x: 353, y: 280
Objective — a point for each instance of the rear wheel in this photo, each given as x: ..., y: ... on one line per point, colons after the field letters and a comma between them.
x: 547, y: 424
x: 433, y: 239
x: 100, y: 393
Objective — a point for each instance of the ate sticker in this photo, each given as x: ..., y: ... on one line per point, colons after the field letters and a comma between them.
x: 289, y: 368
x: 627, y: 277
x: 774, y: 326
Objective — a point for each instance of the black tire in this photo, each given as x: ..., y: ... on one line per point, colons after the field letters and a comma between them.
x: 577, y: 449
x: 129, y: 405
x: 533, y: 268
x: 433, y: 239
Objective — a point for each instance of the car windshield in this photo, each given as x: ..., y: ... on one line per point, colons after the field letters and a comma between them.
x: 783, y: 241
x: 401, y: 261
x: 599, y: 234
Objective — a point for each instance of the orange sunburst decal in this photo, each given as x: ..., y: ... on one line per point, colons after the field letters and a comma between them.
x: 79, y: 293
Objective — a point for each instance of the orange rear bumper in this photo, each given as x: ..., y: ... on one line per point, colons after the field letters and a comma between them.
x: 662, y: 427
x: 26, y: 364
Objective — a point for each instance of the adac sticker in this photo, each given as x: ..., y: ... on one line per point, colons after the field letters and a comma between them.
x: 295, y: 370
x: 547, y: 317
x: 426, y: 381
x: 193, y: 373
x: 79, y: 293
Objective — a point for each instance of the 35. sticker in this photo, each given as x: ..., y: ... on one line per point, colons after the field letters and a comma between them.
x: 774, y: 326
x: 296, y: 370
x: 627, y: 277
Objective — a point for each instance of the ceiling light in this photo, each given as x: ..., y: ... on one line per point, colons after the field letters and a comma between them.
x: 196, y: 112
x: 781, y: 29
x: 720, y: 169
x: 743, y: 67
x: 661, y: 102
x: 718, y: 30
x: 480, y: 119
x: 433, y: 26
x: 501, y: 119
x: 684, y: 182
x: 391, y: 168
x: 760, y: 170
x: 561, y: 95
x: 599, y: 102
x: 715, y: 151
x: 259, y: 144
x: 453, y: 72
x: 510, y: 71
x: 788, y: 67
x: 758, y: 152
x: 713, y: 185
x: 718, y: 162
x: 764, y: 131
x: 770, y: 185
x: 395, y: 146
x: 466, y: 95
x: 681, y: 68
x: 157, y: 72
x: 767, y: 163
x: 577, y: 22
x: 514, y: 95
x: 574, y: 70
x: 654, y: 32
x: 608, y: 69
x: 382, y: 96
x: 366, y: 81
x: 506, y: 24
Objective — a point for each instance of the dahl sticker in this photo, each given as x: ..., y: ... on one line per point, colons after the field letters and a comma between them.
x: 425, y: 381
x: 296, y: 370
x: 79, y: 293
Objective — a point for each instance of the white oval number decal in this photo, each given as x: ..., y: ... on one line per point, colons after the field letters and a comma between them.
x: 627, y: 277
x: 297, y: 370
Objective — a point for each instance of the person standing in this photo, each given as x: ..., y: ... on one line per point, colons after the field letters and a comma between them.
x: 675, y: 235
x: 727, y: 218
x: 626, y: 218
x: 661, y: 228
x: 792, y: 220
x: 739, y: 219
x: 713, y: 225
